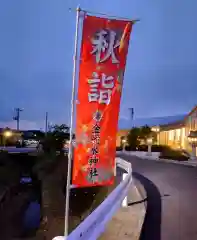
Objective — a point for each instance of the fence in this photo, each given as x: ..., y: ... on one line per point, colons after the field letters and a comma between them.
x: 94, y: 225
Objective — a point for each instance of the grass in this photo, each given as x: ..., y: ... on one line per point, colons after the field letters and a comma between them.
x: 92, y: 198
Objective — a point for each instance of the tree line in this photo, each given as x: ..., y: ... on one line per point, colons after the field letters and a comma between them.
x: 139, y: 135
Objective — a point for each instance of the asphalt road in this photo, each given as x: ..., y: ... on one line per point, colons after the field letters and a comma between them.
x: 171, y: 199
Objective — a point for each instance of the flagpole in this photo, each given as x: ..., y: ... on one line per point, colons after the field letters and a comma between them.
x: 71, y: 124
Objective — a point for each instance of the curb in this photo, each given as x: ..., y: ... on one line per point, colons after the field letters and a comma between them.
x: 141, y: 191
x: 184, y: 163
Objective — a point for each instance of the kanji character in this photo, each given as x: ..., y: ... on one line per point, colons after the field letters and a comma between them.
x: 97, y: 116
x: 93, y: 172
x: 93, y: 160
x: 107, y: 82
x: 101, y: 45
x: 95, y: 138
x: 94, y: 150
x: 96, y: 128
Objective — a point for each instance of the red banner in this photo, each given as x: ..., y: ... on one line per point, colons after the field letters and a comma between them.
x: 103, y: 57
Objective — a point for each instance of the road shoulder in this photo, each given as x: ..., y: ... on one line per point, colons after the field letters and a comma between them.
x: 127, y: 222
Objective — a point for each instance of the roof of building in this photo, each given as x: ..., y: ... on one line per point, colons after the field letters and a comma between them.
x: 157, y: 121
x: 171, y: 126
x: 191, y: 112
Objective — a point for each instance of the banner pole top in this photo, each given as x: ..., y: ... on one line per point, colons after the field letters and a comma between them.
x: 79, y: 9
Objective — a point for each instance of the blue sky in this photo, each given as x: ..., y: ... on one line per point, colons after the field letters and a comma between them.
x: 36, y: 49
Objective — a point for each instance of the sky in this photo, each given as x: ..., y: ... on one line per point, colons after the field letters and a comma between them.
x: 36, y: 57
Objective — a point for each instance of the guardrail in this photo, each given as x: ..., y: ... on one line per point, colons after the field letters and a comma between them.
x: 94, y: 225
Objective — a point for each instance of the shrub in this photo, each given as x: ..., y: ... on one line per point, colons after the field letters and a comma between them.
x: 154, y: 148
x: 118, y: 148
x: 173, y: 154
x: 130, y: 148
x: 158, y: 148
x: 143, y: 148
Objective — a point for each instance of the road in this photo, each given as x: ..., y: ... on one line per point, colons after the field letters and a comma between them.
x: 171, y: 199
x: 23, y: 149
x: 19, y: 150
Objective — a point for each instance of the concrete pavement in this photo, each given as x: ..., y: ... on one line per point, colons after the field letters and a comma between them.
x: 172, y: 196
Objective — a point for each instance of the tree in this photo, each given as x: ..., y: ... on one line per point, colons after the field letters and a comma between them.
x: 145, y: 133
x: 51, y: 170
x: 133, y: 138
x: 55, y: 138
x: 63, y: 128
x: 139, y: 135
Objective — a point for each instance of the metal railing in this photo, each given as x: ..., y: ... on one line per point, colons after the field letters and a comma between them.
x: 94, y: 225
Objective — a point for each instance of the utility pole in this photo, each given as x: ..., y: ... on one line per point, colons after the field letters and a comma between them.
x: 46, y: 123
x: 131, y: 110
x: 17, y: 117
x: 131, y: 113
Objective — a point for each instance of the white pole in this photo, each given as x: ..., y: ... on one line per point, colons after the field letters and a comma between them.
x: 125, y: 200
x: 71, y: 125
x: 115, y: 170
x: 193, y: 157
x: 149, y: 150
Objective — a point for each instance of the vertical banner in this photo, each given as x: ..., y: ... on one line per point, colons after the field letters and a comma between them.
x: 102, y: 63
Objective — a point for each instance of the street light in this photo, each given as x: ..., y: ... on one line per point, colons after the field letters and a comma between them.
x: 124, y: 141
x: 192, y: 138
x: 6, y: 135
x: 156, y: 130
x: 149, y: 143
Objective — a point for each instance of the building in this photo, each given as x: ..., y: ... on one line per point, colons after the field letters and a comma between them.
x: 32, y: 134
x: 172, y: 134
x: 9, y: 136
x: 125, y: 124
x: 177, y: 132
x: 121, y: 134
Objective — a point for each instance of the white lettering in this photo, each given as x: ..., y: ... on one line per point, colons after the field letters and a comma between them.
x: 100, y: 94
x: 101, y: 45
